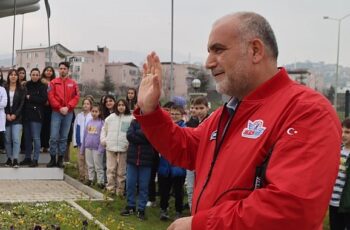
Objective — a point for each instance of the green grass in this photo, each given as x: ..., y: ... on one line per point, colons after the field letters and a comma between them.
x: 108, y: 213
x: 47, y: 214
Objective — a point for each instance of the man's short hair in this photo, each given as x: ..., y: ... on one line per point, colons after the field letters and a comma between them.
x: 65, y: 63
x: 200, y: 101
x: 254, y: 25
x: 346, y: 123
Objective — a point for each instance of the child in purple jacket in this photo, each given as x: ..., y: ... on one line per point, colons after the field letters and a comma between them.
x: 93, y: 149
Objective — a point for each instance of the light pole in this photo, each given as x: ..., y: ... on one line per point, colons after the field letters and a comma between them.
x: 337, y: 66
x: 172, y: 52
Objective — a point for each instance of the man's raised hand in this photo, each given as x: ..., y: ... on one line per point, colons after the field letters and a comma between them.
x: 151, y: 84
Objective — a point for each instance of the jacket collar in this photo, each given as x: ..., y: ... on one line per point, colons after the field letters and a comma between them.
x: 277, y: 82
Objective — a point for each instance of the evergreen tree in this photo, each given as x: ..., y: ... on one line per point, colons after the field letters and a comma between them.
x: 107, y: 85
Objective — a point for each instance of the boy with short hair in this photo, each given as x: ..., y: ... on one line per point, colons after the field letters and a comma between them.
x: 201, y: 106
x: 339, y: 206
x: 170, y: 176
x: 193, y: 120
x: 201, y: 110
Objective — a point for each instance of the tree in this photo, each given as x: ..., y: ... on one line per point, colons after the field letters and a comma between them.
x: 201, y: 74
x: 107, y: 85
x: 89, y: 88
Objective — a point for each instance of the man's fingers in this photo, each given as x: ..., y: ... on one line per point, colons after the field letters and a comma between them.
x: 144, y: 69
x: 149, y: 63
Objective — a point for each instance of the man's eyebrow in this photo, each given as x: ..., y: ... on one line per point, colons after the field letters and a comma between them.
x: 216, y: 46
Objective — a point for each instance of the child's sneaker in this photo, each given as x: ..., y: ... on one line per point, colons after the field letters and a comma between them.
x: 151, y: 204
x: 141, y: 215
x: 164, y: 215
x: 15, y: 163
x: 8, y: 163
x: 127, y: 211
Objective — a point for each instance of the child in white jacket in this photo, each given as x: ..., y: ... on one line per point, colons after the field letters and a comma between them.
x: 113, y: 137
x: 80, y: 123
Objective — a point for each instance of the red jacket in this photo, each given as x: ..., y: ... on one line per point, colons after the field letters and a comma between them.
x: 63, y: 92
x: 305, y: 134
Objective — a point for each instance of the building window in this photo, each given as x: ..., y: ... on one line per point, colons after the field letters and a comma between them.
x: 132, y: 72
x: 124, y: 76
x: 36, y: 54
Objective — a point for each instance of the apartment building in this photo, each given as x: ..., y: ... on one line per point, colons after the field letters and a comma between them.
x: 305, y: 77
x: 183, y: 76
x: 39, y: 57
x: 124, y: 75
x: 89, y: 65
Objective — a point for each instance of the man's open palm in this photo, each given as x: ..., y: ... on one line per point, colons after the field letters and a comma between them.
x: 151, y: 84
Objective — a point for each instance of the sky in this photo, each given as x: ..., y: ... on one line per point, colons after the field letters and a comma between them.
x: 142, y: 26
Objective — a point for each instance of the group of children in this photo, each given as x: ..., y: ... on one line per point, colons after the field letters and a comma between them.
x: 99, y: 133
x: 131, y: 162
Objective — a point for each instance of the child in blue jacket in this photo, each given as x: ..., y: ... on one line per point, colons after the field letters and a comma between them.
x: 170, y: 176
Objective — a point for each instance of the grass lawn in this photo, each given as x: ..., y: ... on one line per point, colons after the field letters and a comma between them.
x: 47, y: 215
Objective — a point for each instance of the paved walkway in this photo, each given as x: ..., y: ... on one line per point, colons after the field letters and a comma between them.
x: 38, y: 190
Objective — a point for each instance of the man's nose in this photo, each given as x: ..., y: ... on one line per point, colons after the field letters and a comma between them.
x: 211, y: 62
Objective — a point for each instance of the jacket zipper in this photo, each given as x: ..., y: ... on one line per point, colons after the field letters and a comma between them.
x: 216, y: 150
x: 64, y: 93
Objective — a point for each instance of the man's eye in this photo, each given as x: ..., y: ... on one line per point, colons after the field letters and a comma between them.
x: 218, y: 50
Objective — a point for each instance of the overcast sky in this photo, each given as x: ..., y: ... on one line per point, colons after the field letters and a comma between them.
x: 139, y: 25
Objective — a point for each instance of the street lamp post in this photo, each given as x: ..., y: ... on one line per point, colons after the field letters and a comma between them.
x: 172, y: 52
x: 196, y: 84
x: 337, y: 65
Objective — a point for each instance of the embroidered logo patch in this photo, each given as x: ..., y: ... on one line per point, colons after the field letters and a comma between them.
x: 213, y: 135
x: 254, y: 129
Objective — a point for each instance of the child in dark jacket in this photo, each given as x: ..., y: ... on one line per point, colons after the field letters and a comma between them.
x: 93, y: 149
x: 171, y: 176
x: 139, y: 164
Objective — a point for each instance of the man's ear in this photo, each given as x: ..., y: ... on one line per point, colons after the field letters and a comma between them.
x: 257, y: 48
